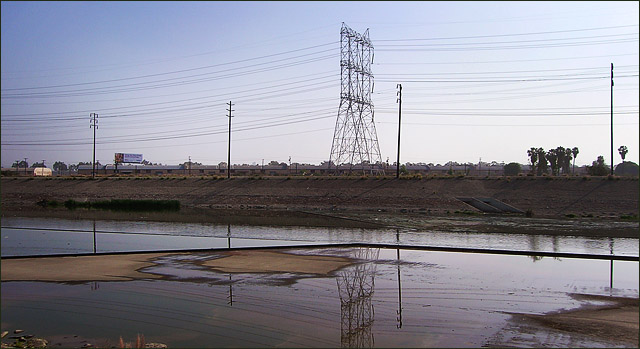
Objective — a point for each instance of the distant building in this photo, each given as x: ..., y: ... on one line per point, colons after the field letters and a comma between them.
x: 42, y: 172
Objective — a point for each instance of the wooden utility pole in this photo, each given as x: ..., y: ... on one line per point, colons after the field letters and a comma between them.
x: 229, y: 152
x: 612, y: 119
x: 399, y: 100
x: 94, y: 125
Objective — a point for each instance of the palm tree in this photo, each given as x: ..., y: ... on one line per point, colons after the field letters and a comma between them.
x: 560, y: 154
x: 567, y: 160
x: 553, y: 161
x: 543, y: 164
x: 533, y: 155
x: 623, y: 151
x: 575, y: 152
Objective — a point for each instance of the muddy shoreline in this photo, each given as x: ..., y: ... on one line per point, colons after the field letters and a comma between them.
x: 407, y: 221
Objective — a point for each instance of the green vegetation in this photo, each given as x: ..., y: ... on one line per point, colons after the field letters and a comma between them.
x: 598, y: 167
x: 126, y: 205
x: 512, y: 169
x: 558, y: 159
x: 48, y: 203
x: 626, y: 168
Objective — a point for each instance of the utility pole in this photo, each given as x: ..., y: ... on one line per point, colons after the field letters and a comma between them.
x: 189, y: 165
x: 94, y: 124
x: 612, y: 119
x: 399, y: 101
x: 229, y: 152
x: 25, y: 166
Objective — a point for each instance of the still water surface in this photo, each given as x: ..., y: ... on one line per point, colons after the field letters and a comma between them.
x: 39, y: 236
x: 388, y: 298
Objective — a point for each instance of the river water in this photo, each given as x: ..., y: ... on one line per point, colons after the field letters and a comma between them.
x: 40, y: 236
x: 388, y: 298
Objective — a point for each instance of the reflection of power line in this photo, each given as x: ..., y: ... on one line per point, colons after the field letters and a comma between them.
x: 355, y: 288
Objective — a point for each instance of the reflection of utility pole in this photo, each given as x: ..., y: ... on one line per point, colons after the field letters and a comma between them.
x: 94, y: 236
x: 399, y: 311
x: 611, y: 271
x: 230, y: 297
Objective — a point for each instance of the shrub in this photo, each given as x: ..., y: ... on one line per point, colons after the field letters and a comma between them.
x: 512, y: 169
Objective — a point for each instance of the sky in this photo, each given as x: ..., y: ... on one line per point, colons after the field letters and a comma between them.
x: 480, y: 80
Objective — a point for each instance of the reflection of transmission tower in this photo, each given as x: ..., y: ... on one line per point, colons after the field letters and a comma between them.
x: 355, y: 142
x: 355, y: 287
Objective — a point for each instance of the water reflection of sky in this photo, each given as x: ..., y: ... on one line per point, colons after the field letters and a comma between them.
x: 391, y: 298
x: 31, y: 236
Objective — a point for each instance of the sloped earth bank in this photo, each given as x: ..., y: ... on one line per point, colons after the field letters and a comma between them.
x: 544, y: 197
x: 557, y: 206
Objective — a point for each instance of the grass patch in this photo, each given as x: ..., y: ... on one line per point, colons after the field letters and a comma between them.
x: 126, y: 205
x: 629, y: 217
x: 48, y: 203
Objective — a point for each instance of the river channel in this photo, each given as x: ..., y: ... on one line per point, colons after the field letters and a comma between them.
x: 386, y: 297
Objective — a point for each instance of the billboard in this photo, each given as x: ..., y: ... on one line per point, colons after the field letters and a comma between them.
x: 128, y: 158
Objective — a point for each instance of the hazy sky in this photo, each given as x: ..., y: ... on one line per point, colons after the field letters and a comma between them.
x: 480, y: 79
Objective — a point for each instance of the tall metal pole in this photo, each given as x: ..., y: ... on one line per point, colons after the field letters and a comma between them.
x: 94, y: 125
x: 399, y: 100
x: 612, y: 119
x: 229, y: 152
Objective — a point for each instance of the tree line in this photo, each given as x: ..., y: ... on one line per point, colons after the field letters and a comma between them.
x: 558, y: 160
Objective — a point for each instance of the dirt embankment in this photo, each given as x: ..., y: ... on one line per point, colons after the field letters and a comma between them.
x: 545, y: 197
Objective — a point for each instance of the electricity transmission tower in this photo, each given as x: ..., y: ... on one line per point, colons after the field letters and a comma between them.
x: 355, y: 142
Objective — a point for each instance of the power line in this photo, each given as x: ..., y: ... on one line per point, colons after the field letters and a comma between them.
x: 510, y: 35
x: 186, y: 70
x: 130, y: 88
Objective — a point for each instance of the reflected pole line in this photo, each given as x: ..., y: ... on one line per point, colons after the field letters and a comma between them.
x: 94, y: 236
x: 611, y: 270
x: 399, y: 311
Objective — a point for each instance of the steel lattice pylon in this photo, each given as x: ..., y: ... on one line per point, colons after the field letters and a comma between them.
x: 355, y: 142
